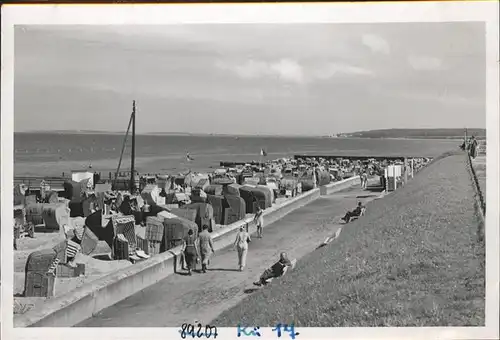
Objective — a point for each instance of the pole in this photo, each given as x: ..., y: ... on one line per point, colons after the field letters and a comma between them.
x: 406, y: 170
x: 386, y: 177
x: 123, y: 149
x: 132, y: 165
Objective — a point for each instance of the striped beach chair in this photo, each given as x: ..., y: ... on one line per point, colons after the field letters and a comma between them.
x: 154, y: 228
x: 79, y: 230
x: 72, y: 249
x: 125, y: 225
x: 121, y: 248
x: 53, y: 267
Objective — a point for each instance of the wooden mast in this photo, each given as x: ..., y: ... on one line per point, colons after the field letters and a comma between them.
x: 132, y: 165
x: 123, y: 149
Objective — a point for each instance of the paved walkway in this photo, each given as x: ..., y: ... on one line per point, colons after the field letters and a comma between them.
x: 183, y: 299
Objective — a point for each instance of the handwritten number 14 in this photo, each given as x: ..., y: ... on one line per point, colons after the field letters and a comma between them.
x: 285, y: 328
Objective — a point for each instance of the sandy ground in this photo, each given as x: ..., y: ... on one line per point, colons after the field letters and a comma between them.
x: 204, y: 296
x: 94, y: 268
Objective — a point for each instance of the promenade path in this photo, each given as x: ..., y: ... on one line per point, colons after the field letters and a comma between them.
x: 182, y: 299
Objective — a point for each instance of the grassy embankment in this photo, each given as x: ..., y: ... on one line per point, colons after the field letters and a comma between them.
x: 415, y: 259
x: 420, y: 133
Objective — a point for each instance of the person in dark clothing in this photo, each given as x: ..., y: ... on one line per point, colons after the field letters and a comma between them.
x: 190, y: 251
x: 278, y: 269
x: 126, y: 206
x: 96, y: 178
x: 356, y: 212
x: 163, y: 193
x: 473, y: 147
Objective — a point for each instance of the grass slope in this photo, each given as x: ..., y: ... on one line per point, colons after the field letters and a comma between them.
x: 414, y: 260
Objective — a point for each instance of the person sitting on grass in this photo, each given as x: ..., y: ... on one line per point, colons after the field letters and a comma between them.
x: 277, y: 270
x: 355, y: 213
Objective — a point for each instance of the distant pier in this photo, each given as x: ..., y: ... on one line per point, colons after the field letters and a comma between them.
x: 229, y: 164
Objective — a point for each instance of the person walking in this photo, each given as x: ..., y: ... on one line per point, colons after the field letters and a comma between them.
x: 206, y: 247
x: 241, y: 244
x: 190, y: 251
x: 259, y: 221
x: 365, y: 180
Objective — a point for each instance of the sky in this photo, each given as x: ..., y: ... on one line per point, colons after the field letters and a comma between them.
x: 287, y: 79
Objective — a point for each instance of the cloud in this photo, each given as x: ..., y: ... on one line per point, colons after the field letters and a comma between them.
x: 332, y: 69
x: 422, y: 63
x: 291, y: 71
x: 376, y: 43
x: 285, y: 69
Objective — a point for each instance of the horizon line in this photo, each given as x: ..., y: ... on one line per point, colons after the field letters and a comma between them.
x: 241, y: 134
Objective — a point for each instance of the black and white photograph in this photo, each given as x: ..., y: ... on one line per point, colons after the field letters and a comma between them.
x: 252, y: 179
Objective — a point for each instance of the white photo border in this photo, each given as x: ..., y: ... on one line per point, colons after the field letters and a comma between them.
x: 157, y: 14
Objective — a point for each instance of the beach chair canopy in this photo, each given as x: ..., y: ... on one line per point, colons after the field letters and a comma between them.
x: 204, y: 214
x: 264, y: 195
x: 251, y: 202
x: 323, y: 177
x: 236, y: 210
x: 214, y: 189
x: 177, y: 229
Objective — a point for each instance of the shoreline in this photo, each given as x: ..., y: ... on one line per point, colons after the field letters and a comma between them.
x: 160, y: 164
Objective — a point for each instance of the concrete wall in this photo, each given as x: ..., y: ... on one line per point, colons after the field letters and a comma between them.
x: 338, y: 186
x: 80, y: 304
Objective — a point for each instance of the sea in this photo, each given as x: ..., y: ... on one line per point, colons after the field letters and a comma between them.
x: 52, y: 154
